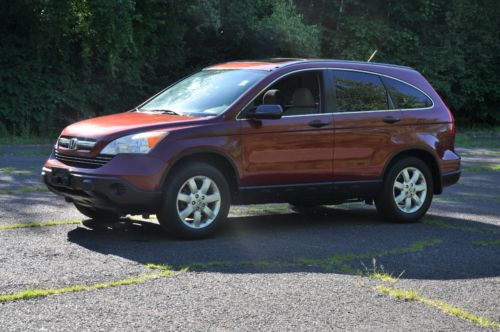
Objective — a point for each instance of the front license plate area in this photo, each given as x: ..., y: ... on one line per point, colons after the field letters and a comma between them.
x: 60, y: 177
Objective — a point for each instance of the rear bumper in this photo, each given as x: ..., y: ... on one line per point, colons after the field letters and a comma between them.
x: 110, y: 193
x: 450, y: 178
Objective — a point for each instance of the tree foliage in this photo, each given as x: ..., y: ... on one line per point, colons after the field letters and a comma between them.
x: 63, y: 60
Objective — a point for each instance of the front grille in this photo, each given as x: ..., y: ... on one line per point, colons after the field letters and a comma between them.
x: 76, y: 143
x: 84, y: 162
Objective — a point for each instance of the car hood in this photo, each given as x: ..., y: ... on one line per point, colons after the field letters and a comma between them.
x: 110, y: 126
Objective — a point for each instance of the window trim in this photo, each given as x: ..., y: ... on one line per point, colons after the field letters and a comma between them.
x: 387, y: 91
x: 328, y: 95
x: 322, y: 90
x: 411, y: 86
x: 388, y: 100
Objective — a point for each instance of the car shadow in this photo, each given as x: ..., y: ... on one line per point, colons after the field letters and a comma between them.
x: 329, y: 240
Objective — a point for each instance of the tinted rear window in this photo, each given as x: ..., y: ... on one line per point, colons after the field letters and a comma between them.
x: 405, y: 96
x: 357, y: 91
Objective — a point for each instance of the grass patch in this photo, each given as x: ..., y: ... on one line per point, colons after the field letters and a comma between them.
x: 411, y: 295
x: 34, y: 293
x: 442, y: 224
x: 24, y: 140
x: 484, y: 168
x: 466, y: 197
x: 17, y: 171
x: 39, y: 152
x: 333, y: 261
x: 477, y: 184
x: 34, y: 225
x: 24, y: 190
x: 485, y: 138
x: 379, y: 273
x: 486, y: 243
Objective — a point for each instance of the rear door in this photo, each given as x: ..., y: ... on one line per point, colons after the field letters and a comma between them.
x: 367, y: 128
x: 296, y: 149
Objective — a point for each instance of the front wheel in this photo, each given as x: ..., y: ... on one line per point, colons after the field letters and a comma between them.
x: 407, y: 191
x: 195, y: 201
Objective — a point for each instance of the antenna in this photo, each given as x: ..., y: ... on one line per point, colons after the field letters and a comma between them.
x: 372, y: 56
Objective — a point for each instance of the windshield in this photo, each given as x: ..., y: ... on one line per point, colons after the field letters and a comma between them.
x: 206, y: 93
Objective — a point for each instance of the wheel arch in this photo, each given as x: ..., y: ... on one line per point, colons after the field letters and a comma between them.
x: 214, y: 158
x: 423, y: 154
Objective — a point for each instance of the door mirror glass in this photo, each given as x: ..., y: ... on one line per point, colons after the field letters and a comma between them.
x: 266, y: 111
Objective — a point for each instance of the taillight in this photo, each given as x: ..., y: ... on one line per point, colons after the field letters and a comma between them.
x: 451, y: 117
x: 452, y: 123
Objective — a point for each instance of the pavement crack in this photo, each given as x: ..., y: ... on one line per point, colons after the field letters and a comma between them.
x: 44, y: 224
x: 164, y: 272
x: 411, y: 295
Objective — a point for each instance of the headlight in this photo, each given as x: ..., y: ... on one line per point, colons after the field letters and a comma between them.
x: 137, y: 143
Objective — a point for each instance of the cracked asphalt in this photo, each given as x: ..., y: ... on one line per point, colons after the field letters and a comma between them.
x: 269, y: 269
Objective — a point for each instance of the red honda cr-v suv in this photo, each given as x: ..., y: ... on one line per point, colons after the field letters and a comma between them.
x: 306, y: 132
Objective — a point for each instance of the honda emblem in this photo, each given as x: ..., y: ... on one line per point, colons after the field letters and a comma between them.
x: 73, y: 144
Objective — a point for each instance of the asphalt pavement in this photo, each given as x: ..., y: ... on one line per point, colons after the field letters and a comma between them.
x: 335, y: 268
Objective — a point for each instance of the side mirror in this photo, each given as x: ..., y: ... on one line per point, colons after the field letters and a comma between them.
x: 266, y: 112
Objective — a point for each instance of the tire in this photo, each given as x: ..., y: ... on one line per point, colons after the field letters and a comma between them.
x: 414, y: 196
x: 97, y: 214
x: 196, y: 201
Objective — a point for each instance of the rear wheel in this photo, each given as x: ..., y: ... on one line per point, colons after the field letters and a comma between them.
x: 97, y: 214
x: 195, y: 201
x: 407, y: 191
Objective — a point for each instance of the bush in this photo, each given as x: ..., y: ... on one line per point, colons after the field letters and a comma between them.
x: 65, y: 60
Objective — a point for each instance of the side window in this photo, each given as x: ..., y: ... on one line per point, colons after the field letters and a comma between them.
x: 298, y: 94
x: 357, y: 91
x: 405, y: 96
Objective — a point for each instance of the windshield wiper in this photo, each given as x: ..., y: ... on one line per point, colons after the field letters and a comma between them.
x: 170, y: 112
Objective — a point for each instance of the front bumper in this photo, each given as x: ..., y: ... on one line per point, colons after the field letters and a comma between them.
x: 110, y: 193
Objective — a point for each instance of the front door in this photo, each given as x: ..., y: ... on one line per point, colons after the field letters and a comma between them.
x: 296, y: 149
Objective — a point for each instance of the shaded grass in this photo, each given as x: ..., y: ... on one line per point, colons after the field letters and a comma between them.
x: 484, y: 168
x: 411, y: 295
x: 333, y: 261
x: 38, y: 152
x: 27, y: 294
x: 45, y: 224
x: 25, y: 140
x: 486, y: 243
x: 442, y: 224
x: 466, y: 197
x: 24, y: 190
x: 18, y: 171
x: 485, y: 138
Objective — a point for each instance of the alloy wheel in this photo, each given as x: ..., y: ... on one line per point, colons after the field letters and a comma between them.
x: 198, y: 202
x: 409, y: 190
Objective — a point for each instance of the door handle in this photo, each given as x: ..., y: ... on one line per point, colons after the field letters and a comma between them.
x: 392, y: 119
x: 318, y: 123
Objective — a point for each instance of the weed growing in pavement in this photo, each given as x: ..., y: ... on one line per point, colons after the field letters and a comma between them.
x: 23, y: 190
x: 34, y: 293
x: 467, y: 197
x: 44, y: 224
x: 411, y: 295
x: 442, y: 224
x: 19, y: 171
x: 333, y: 261
x: 378, y: 272
x: 484, y: 168
x: 486, y: 242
